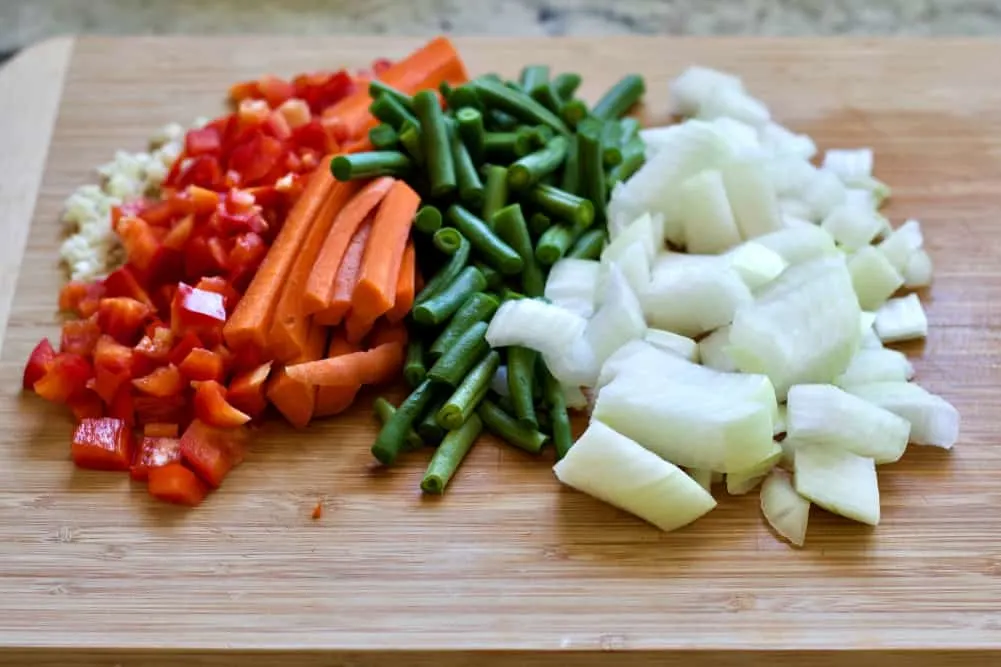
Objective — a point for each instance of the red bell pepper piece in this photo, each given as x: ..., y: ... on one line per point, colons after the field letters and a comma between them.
x: 122, y: 318
x: 246, y: 391
x: 141, y: 245
x: 277, y: 126
x: 196, y: 200
x: 155, y: 452
x: 188, y: 342
x: 80, y: 336
x: 244, y: 90
x: 220, y: 285
x: 212, y: 408
x: 202, y: 141
x: 156, y: 346
x: 81, y: 297
x: 202, y: 257
x: 133, y: 207
x: 212, y: 452
x: 123, y: 282
x: 102, y: 444
x: 156, y: 213
x: 274, y: 90
x: 173, y: 483
x: 179, y: 234
x: 86, y: 405
x: 202, y: 365
x: 160, y: 430
x: 38, y: 362
x: 123, y: 405
x: 163, y: 382
x: 203, y: 171
x: 65, y: 377
x: 112, y: 356
x: 296, y: 112
x: 196, y: 309
x: 169, y: 409
x: 248, y: 251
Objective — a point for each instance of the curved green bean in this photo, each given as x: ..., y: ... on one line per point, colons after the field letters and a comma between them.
x: 443, y: 305
x: 508, y: 429
x: 449, y: 455
x: 459, y: 359
x: 479, y: 307
x: 469, y: 394
x: 392, y: 436
x: 493, y: 251
x: 446, y: 274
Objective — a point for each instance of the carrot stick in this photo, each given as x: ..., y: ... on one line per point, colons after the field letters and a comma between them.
x: 250, y: 323
x: 335, y: 400
x: 386, y: 332
x: 405, y: 286
x: 290, y: 325
x: 375, y: 292
x: 347, y: 277
x: 355, y: 368
x: 320, y: 285
x: 295, y: 399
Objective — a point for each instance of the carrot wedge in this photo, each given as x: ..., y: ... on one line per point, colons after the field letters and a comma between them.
x: 251, y: 321
x: 347, y: 277
x: 405, y: 286
x: 335, y: 400
x: 375, y: 292
x: 320, y: 285
x: 373, y: 366
x: 296, y: 400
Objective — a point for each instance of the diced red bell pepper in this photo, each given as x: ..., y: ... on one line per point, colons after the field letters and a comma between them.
x: 203, y: 171
x: 155, y: 452
x: 132, y: 207
x: 173, y: 483
x: 277, y: 127
x: 324, y: 90
x: 65, y: 376
x: 212, y: 452
x: 143, y: 248
x: 171, y: 409
x: 244, y: 90
x: 163, y: 382
x: 122, y: 318
x: 179, y: 234
x: 123, y: 282
x: 201, y: 365
x: 274, y: 90
x: 204, y: 257
x: 296, y: 112
x: 314, y: 135
x: 212, y: 408
x: 80, y: 336
x: 182, y: 347
x: 160, y: 430
x: 86, y: 405
x: 256, y: 158
x: 162, y: 298
x: 102, y: 444
x: 194, y: 200
x: 38, y: 362
x: 220, y: 285
x: 246, y: 391
x: 196, y: 309
x: 250, y: 115
x: 80, y: 297
x: 155, y: 213
x: 123, y: 405
x: 202, y: 141
x: 248, y: 251
x: 112, y: 356
x: 156, y: 347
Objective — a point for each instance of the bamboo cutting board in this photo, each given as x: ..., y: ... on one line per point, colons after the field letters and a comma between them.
x: 507, y: 568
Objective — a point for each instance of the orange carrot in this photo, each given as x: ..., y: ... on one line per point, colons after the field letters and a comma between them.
x: 250, y: 323
x: 375, y: 292
x: 320, y: 285
x: 405, y: 286
x: 385, y: 332
x: 335, y: 400
x: 347, y: 277
x: 296, y: 400
x: 355, y: 368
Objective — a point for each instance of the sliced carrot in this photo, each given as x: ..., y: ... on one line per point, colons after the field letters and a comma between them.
x: 387, y: 332
x: 294, y: 399
x: 250, y: 323
x: 369, y: 367
x: 347, y: 277
x: 320, y: 285
x: 375, y: 292
x: 335, y: 400
x: 290, y: 325
x: 405, y: 286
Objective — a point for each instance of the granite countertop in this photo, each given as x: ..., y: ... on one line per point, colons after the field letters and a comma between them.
x: 23, y: 22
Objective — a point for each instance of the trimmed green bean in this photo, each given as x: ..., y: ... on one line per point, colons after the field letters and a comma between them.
x: 446, y: 90
x: 493, y: 251
x: 470, y: 393
x: 573, y: 112
x: 589, y: 245
x: 528, y: 170
x: 435, y: 144
x: 504, y: 403
x: 377, y: 88
x: 630, y: 128
x: 499, y: 146
x: 542, y: 135
x: 389, y: 110
x: 480, y: 307
x: 446, y: 274
x: 510, y: 225
x: 495, y: 192
x: 508, y: 294
x: 518, y: 104
x: 620, y: 97
x: 566, y: 84
x: 573, y: 209
x: 443, y: 305
x: 554, y: 243
x: 524, y: 141
x: 428, y: 219
x: 449, y: 455
x: 493, y: 276
x: 448, y: 240
x: 570, y: 178
x: 559, y: 420
x: 384, y: 411
x: 633, y: 157
x: 428, y: 428
x: 466, y: 175
x: 414, y: 370
x: 464, y: 96
x: 508, y: 429
x: 471, y: 131
x: 520, y: 380
x: 410, y: 139
x: 533, y: 76
x: 499, y: 121
x: 538, y: 223
x: 390, y: 440
x: 611, y: 143
x: 547, y: 96
x: 592, y: 169
x: 370, y: 164
x: 383, y: 137
x: 459, y: 359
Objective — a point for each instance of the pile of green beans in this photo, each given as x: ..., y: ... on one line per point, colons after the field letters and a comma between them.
x: 513, y: 176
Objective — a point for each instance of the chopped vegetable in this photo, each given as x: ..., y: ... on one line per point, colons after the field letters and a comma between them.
x: 785, y: 510
x: 839, y: 481
x: 933, y: 420
x: 449, y: 455
x: 508, y: 429
x: 901, y: 319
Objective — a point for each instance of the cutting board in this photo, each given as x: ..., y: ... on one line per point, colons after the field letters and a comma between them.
x: 507, y: 568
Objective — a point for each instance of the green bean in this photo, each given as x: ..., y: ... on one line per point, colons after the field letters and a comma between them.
x: 491, y: 76
x: 573, y: 112
x: 459, y: 359
x: 520, y: 379
x: 449, y: 455
x: 574, y: 209
x: 630, y: 128
x: 429, y: 430
x: 384, y: 410
x: 443, y: 305
x: 518, y: 104
x: 414, y: 370
x: 499, y: 146
x: 566, y: 84
x: 410, y: 139
x: 446, y: 274
x: 592, y: 170
x: 446, y: 90
x: 510, y: 225
x: 466, y: 175
x: 542, y: 135
x: 570, y: 179
x: 493, y: 277
x: 546, y: 95
x: 538, y: 223
x: 391, y: 437
x: 391, y: 111
x: 508, y: 429
x: 383, y: 137
x: 464, y: 96
x: 428, y: 219
x: 470, y: 393
x: 370, y: 164
x: 499, y: 121
x: 435, y: 144
x: 533, y: 76
x: 589, y: 245
x: 611, y: 143
x: 559, y: 420
x: 480, y: 307
x: 508, y: 294
x: 495, y: 193
x: 377, y: 88
x: 554, y: 243
x: 524, y: 141
x: 633, y: 157
x: 448, y: 240
x: 493, y: 251
x: 528, y: 170
x: 471, y: 130
x: 620, y: 98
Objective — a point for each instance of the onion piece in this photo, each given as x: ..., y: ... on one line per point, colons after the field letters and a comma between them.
x: 839, y: 481
x: 901, y: 319
x: 696, y: 85
x: 873, y: 277
x: 851, y: 226
x: 876, y: 365
x: 742, y: 138
x: 684, y: 347
x: 934, y: 421
x: 634, y: 265
x: 756, y: 264
x: 709, y: 225
x: 849, y: 164
x: 785, y: 510
x: 713, y: 350
x: 780, y: 141
x: 618, y: 320
x: 745, y: 481
x: 919, y: 269
x: 647, y: 230
x: 823, y: 194
x: 575, y: 397
x: 800, y: 244
x: 752, y: 198
x: 572, y: 285
x: 535, y: 324
x: 726, y: 102
x: 902, y: 243
x: 703, y: 477
x: 691, y: 297
x: 781, y: 421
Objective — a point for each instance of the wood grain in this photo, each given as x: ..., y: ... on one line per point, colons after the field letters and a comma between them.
x: 509, y: 568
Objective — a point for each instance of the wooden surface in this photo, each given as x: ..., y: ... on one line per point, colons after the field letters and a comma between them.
x: 509, y: 568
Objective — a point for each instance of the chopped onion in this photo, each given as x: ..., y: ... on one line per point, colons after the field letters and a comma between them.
x: 572, y: 285
x: 902, y: 243
x: 785, y: 510
x: 576, y: 365
x: 713, y: 350
x: 742, y: 138
x: 756, y: 264
x: 876, y: 365
x: 873, y: 277
x: 870, y: 341
x: 618, y: 320
x: 691, y: 297
x: 667, y: 341
x: 901, y: 319
x: 726, y: 102
x: 745, y: 481
x: 709, y: 225
x: 839, y: 481
x: 696, y: 85
x: 823, y: 194
x: 867, y: 318
x: 800, y: 244
x: 851, y: 226
x: 613, y: 468
x: 575, y: 397
x: 647, y: 230
x: 634, y: 266
x: 792, y: 222
x: 918, y: 272
x: 752, y: 198
x: 825, y: 415
x: 934, y: 421
x: 860, y: 198
x: 880, y: 191
x: 535, y: 324
x: 849, y: 164
x: 781, y: 141
x: 703, y: 477
x: 792, y: 176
